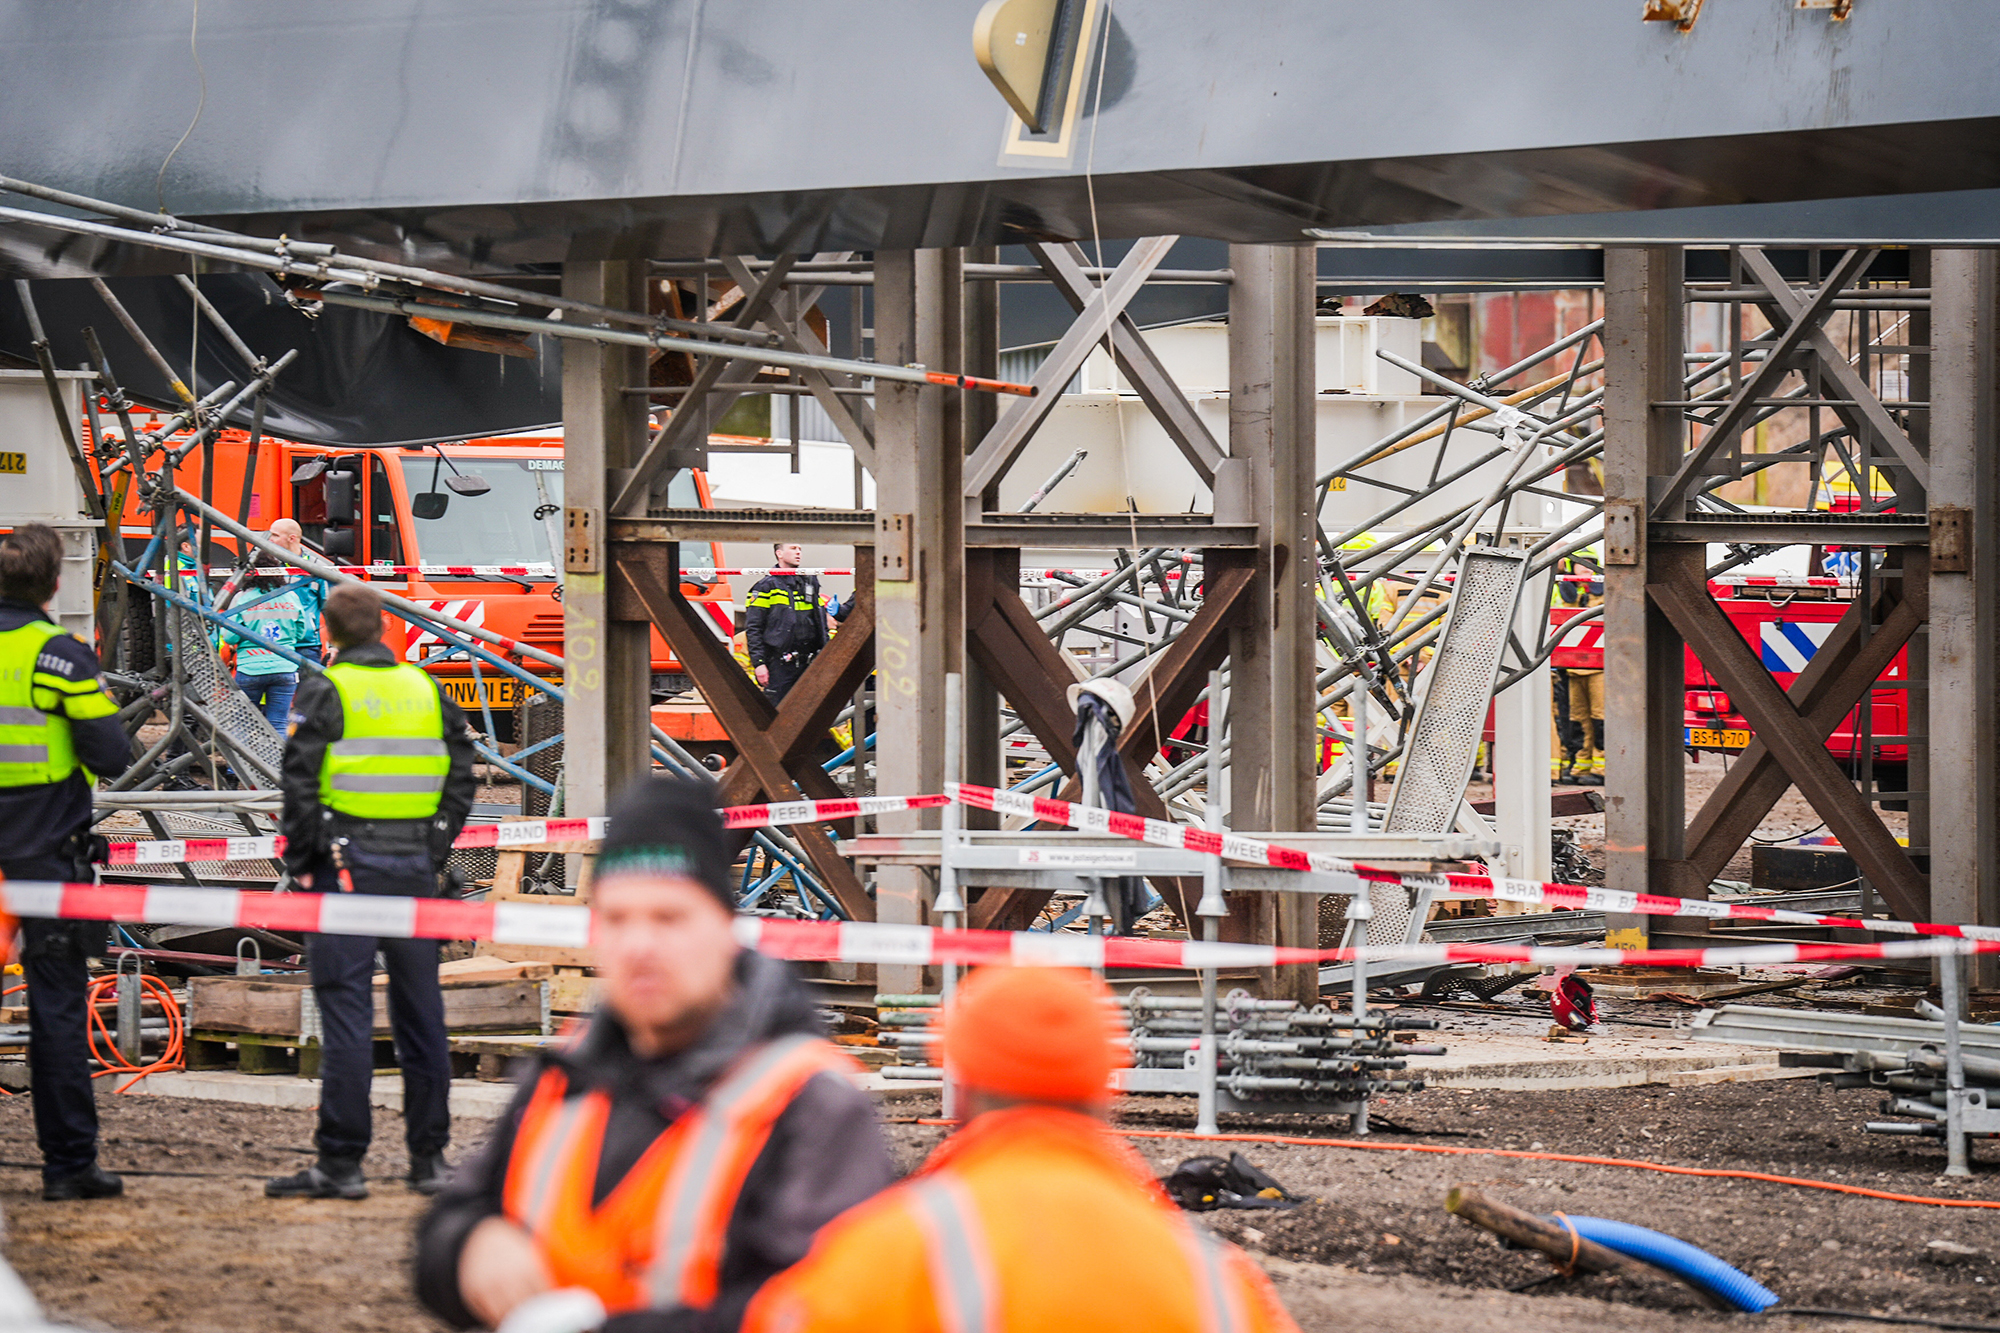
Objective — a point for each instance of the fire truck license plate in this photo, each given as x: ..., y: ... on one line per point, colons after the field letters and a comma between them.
x: 1709, y: 738
x: 501, y: 691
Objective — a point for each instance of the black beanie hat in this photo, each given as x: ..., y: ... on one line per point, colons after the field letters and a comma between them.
x: 669, y: 826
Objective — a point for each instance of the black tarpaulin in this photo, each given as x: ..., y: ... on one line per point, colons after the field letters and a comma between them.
x: 360, y: 378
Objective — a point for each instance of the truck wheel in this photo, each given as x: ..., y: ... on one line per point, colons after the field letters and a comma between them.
x: 135, y: 635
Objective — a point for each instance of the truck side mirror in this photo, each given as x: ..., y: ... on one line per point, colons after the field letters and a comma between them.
x: 468, y: 483
x: 343, y: 496
x: 339, y: 543
x: 430, y: 504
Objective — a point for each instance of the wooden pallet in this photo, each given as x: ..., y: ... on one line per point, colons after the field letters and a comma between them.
x: 506, y: 888
x: 490, y: 1057
x: 261, y: 1053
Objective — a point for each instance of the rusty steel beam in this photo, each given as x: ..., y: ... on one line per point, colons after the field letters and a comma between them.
x: 1004, y: 639
x: 1834, y: 681
x: 1181, y: 673
x: 748, y: 717
x: 1678, y: 588
x: 1011, y: 647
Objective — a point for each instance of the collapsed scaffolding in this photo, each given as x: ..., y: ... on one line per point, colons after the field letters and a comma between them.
x: 1407, y: 667
x: 1387, y: 582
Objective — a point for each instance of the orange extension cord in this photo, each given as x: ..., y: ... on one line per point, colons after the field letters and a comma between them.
x: 110, y: 1057
x: 1450, y: 1151
x: 3, y: 994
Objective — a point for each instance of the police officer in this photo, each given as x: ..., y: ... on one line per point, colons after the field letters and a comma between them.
x: 378, y: 781
x: 58, y: 729
x: 784, y: 624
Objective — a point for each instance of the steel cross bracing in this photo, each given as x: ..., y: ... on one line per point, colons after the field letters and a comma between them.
x: 1882, y: 388
x: 1513, y: 448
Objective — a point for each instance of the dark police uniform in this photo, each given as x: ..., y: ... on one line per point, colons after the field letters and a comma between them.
x: 784, y: 627
x: 378, y: 781
x: 58, y: 730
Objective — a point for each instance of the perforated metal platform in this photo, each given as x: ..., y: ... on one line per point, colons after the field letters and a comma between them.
x: 1444, y: 739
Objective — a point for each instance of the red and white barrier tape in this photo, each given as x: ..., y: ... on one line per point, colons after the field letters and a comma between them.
x: 1236, y: 847
x: 819, y: 812
x: 542, y: 571
x: 1344, y: 875
x: 518, y: 832
x: 1742, y: 580
x: 759, y: 573
x: 569, y: 926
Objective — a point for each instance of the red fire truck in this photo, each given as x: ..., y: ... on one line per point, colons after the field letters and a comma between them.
x: 1785, y: 620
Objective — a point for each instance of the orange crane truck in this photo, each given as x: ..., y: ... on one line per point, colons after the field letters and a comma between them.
x: 470, y: 528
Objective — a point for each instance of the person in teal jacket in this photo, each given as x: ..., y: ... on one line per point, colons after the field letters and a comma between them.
x: 268, y: 678
x: 311, y: 592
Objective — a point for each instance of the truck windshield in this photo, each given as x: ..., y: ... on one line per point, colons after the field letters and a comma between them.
x: 519, y: 521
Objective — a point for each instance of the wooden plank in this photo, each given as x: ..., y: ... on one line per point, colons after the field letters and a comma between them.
x: 572, y: 993
x: 555, y: 954
x: 507, y: 869
x: 489, y: 1004
x: 513, y: 1045
x: 268, y: 1005
x: 492, y: 969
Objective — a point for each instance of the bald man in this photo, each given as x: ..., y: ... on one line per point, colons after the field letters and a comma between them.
x: 311, y: 593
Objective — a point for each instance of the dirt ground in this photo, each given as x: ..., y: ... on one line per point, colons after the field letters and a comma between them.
x: 205, y: 1252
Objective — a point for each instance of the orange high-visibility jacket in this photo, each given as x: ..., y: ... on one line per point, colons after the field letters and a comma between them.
x: 655, y: 1242
x: 1028, y: 1220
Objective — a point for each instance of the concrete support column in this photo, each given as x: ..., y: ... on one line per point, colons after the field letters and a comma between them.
x: 1521, y: 754
x: 607, y: 667
x: 920, y: 560
x: 1644, y: 815
x: 1965, y: 595
x: 1271, y: 436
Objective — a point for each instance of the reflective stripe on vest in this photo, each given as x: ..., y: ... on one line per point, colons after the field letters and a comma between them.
x: 35, y: 745
x: 540, y: 1159
x: 1215, y: 1297
x: 966, y: 1292
x: 391, y: 760
x: 708, y: 1172
x: 655, y: 1240
x: 960, y: 1259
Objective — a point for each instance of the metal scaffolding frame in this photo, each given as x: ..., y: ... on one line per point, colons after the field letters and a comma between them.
x: 1925, y: 576
x: 1283, y: 604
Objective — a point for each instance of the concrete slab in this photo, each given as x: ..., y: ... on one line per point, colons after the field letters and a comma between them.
x: 1520, y: 1063
x: 896, y: 1089
x: 470, y: 1098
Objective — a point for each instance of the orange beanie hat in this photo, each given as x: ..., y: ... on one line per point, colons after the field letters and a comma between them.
x: 1040, y: 1033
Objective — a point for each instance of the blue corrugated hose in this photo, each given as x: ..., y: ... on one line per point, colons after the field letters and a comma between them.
x: 1679, y: 1258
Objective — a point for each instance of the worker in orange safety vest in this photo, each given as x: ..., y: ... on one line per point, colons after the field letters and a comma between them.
x: 1033, y: 1216
x: 690, y: 1140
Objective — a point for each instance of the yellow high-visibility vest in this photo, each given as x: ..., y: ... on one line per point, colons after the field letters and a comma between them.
x: 36, y: 708
x: 390, y: 761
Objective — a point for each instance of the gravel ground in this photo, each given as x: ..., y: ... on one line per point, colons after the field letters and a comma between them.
x: 194, y: 1254
x: 1381, y: 1213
